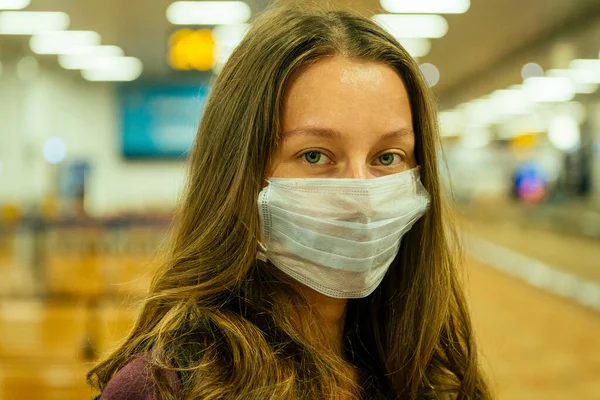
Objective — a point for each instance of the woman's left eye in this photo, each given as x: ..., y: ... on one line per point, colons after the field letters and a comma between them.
x: 389, y: 159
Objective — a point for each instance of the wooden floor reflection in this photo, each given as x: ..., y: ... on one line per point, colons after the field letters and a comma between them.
x: 535, y: 345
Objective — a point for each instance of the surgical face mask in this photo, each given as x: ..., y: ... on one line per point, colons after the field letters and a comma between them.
x: 338, y: 236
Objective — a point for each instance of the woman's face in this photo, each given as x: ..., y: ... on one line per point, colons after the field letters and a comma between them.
x: 345, y: 119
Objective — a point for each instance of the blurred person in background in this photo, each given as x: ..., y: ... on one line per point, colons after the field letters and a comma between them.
x: 313, y: 256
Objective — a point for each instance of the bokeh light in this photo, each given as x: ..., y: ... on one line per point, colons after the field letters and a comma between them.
x: 54, y: 150
x: 431, y: 73
x: 564, y: 133
x: 531, y: 70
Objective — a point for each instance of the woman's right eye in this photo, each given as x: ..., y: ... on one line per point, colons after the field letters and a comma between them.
x: 315, y: 158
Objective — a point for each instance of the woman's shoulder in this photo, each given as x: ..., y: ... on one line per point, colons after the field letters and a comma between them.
x: 134, y: 381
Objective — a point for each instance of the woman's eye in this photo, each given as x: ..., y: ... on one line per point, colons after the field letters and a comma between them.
x: 389, y: 159
x: 315, y: 157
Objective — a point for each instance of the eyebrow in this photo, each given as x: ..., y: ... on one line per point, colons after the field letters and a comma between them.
x: 328, y: 133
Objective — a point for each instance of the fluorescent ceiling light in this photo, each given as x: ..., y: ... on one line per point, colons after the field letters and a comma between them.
x: 208, y: 12
x: 230, y: 34
x: 13, y: 4
x: 114, y: 69
x: 586, y: 71
x: 88, y: 57
x: 585, y: 81
x: 476, y: 137
x: 573, y: 108
x: 62, y: 42
x: 413, y: 26
x: 586, y: 88
x: 99, y: 51
x: 227, y: 37
x: 451, y: 123
x: 510, y: 102
x: 564, y: 133
x: 585, y: 64
x: 416, y: 47
x: 31, y: 23
x: 548, y: 89
x: 426, y: 6
x: 478, y: 112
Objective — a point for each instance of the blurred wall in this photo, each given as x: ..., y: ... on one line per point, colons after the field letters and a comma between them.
x: 85, y: 116
x: 594, y: 120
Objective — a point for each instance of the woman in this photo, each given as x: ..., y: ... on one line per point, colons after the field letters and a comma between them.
x: 312, y: 257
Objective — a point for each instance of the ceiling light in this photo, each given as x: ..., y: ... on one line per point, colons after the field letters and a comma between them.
x: 431, y: 73
x: 585, y: 64
x: 586, y: 88
x: 416, y: 47
x: 451, y: 123
x: 227, y: 38
x: 478, y: 112
x: 564, y: 133
x: 208, y: 12
x: 531, y: 70
x: 510, y: 102
x: 426, y: 6
x: 548, y: 89
x: 413, y: 26
x: 54, y: 150
x: 98, y: 51
x: 476, y: 137
x: 30, y: 23
x: 86, y: 57
x: 586, y: 71
x: 114, y: 69
x: 62, y: 42
x: 584, y: 81
x: 573, y: 108
x: 13, y: 4
x: 230, y: 34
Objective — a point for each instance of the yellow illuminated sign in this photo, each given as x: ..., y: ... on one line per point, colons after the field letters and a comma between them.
x: 192, y: 50
x: 524, y: 141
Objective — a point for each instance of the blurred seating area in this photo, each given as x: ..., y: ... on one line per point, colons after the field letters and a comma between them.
x: 68, y: 294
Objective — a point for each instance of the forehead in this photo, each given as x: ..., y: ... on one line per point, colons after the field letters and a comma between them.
x: 348, y: 96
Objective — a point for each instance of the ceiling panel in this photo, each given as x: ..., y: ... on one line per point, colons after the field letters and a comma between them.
x: 488, y: 34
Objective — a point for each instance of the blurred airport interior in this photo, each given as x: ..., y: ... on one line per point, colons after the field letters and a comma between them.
x: 100, y: 100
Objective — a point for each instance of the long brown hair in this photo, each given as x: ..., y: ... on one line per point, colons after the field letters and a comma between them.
x: 235, y: 327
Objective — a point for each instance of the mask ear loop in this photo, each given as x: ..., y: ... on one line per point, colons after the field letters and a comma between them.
x: 261, y: 253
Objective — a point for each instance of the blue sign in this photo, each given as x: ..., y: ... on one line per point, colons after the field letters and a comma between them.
x: 160, y: 122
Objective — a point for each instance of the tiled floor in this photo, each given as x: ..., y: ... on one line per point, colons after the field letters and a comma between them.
x: 535, y: 345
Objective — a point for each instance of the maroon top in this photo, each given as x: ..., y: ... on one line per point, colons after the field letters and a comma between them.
x: 134, y: 382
